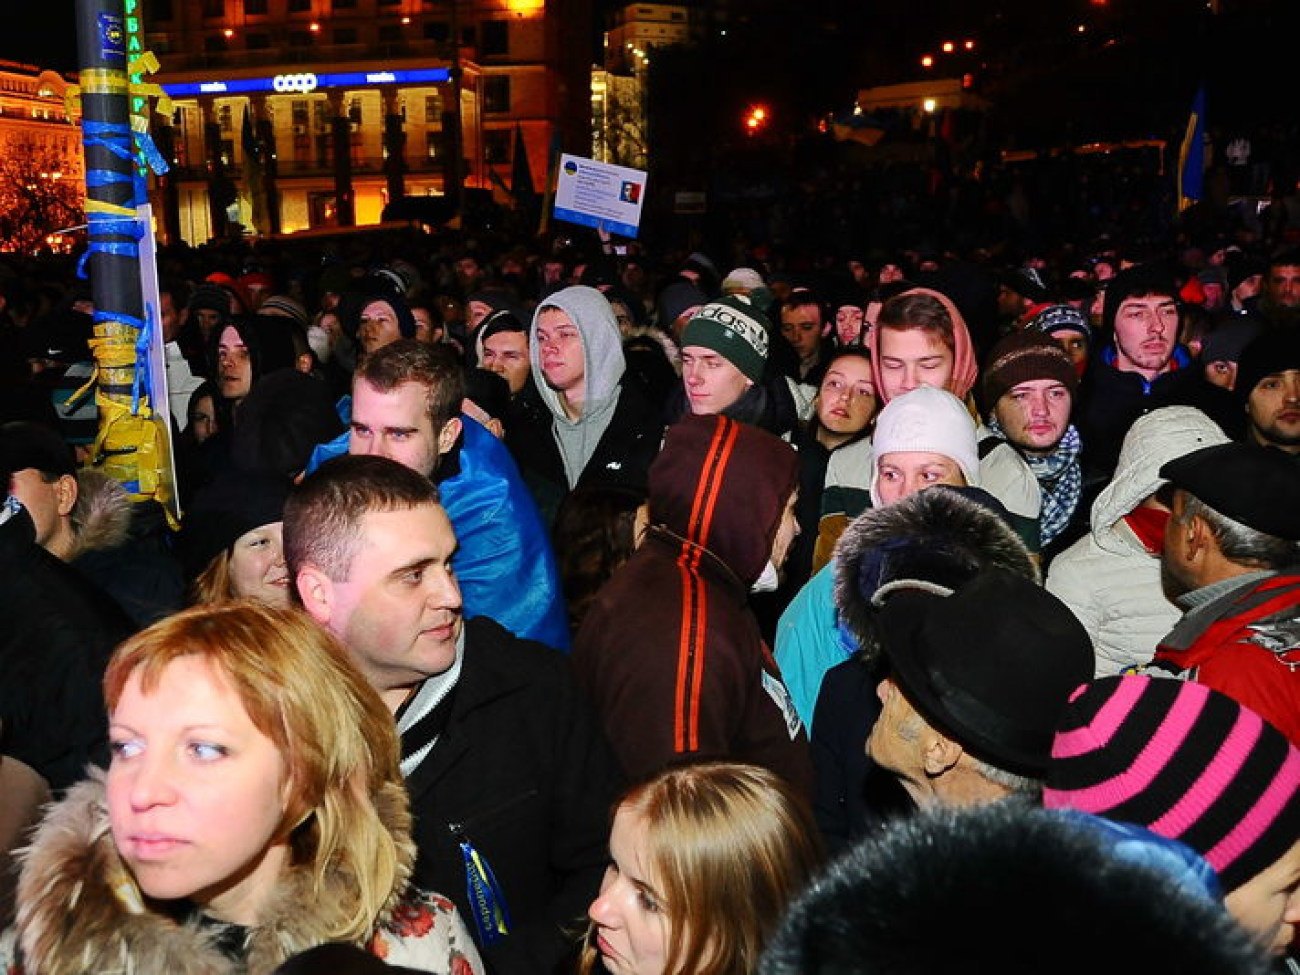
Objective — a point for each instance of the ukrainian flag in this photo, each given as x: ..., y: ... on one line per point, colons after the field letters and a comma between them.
x: 1191, y: 156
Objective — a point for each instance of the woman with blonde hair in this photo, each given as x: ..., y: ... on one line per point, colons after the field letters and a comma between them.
x: 253, y: 809
x: 703, y: 860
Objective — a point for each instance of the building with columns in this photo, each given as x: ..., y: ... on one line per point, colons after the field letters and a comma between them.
x: 298, y: 114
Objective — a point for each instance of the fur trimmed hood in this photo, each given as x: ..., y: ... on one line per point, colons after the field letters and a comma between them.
x: 941, y: 535
x: 81, y: 911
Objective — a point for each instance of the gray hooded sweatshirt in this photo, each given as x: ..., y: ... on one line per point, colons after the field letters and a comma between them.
x: 602, y: 351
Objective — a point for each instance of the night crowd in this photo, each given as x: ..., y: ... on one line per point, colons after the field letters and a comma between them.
x: 561, y: 606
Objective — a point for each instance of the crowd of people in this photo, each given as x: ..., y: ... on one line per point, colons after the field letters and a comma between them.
x: 544, y: 610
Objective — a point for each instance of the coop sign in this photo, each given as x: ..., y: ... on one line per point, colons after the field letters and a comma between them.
x: 302, y: 83
x: 306, y: 81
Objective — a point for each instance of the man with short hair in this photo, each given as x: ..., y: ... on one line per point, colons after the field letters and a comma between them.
x: 1029, y: 387
x: 86, y: 520
x: 1268, y: 379
x: 1279, y: 305
x: 1144, y: 368
x: 1231, y: 562
x: 406, y: 405
x: 57, y: 632
x: 804, y: 325
x: 509, y: 778
x: 42, y: 474
x: 977, y: 680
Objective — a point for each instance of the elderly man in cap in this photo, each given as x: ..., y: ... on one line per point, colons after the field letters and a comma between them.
x: 978, y: 677
x: 1268, y: 379
x: 1231, y: 561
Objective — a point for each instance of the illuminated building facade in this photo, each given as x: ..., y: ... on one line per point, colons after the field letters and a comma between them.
x: 353, y: 103
x: 35, y: 128
x: 618, y: 88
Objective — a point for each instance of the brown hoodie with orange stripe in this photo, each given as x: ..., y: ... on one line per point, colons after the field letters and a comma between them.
x: 669, y: 653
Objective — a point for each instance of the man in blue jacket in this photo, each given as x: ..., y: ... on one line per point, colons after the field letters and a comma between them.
x: 406, y: 400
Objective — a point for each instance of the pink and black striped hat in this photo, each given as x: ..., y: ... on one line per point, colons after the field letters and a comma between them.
x: 1184, y: 761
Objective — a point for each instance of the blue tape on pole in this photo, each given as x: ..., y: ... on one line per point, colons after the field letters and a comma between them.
x: 108, y: 224
x: 107, y: 135
x: 145, y: 144
x: 143, y: 380
x: 97, y: 178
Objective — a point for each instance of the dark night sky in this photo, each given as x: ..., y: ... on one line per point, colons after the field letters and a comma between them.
x: 42, y: 32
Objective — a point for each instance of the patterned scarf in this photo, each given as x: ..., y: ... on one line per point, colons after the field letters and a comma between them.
x: 1060, y: 480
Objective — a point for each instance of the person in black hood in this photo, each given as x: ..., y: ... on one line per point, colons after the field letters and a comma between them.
x: 243, y: 353
x: 245, y: 350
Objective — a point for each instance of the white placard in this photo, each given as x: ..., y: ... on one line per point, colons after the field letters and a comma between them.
x: 602, y: 195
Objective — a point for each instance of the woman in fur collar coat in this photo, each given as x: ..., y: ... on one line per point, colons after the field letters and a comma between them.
x: 245, y: 816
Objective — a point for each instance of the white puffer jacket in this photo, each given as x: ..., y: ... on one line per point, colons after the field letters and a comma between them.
x: 1107, y: 578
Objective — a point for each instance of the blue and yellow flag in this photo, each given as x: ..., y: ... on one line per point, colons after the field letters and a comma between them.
x: 1191, y: 155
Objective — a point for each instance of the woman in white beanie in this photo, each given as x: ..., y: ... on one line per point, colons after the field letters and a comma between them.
x: 923, y: 437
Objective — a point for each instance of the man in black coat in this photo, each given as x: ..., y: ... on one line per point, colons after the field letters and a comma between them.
x: 510, y: 780
x: 1142, y: 369
x: 57, y: 632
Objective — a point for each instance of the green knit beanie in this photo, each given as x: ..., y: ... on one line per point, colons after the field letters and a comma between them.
x: 735, y: 329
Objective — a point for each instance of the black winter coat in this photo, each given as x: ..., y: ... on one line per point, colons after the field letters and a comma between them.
x: 57, y: 632
x: 622, y: 458
x: 524, y: 774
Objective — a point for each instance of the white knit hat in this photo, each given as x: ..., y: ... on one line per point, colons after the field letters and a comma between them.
x: 926, y: 420
x: 743, y: 279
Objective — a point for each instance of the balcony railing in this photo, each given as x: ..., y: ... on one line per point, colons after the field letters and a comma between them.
x: 322, y: 53
x: 365, y: 166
